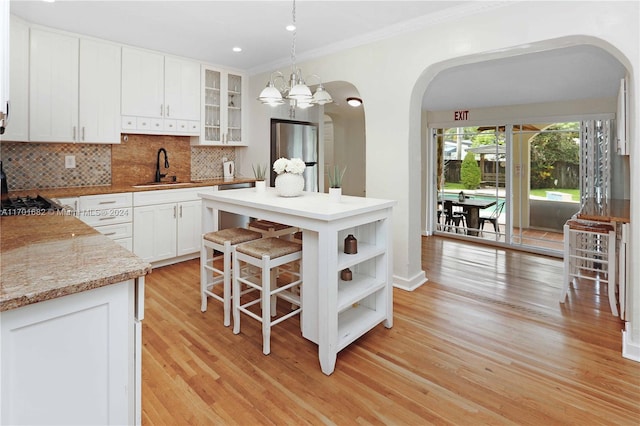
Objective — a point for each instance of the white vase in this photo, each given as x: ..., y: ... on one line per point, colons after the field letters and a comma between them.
x: 335, y: 194
x: 260, y: 185
x: 289, y: 184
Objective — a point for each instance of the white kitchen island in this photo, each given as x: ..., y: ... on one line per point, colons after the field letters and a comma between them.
x: 334, y: 312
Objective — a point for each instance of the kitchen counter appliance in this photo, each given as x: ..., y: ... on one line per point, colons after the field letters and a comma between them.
x: 18, y: 206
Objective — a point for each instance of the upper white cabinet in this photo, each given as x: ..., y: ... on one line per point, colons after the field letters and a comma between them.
x: 181, y: 89
x: 73, y: 94
x: 99, y: 97
x: 5, y: 36
x: 142, y: 83
x: 160, y: 94
x: 53, y: 96
x: 17, y: 125
x: 223, y: 97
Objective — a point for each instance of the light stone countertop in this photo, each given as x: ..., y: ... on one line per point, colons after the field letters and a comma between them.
x: 52, y: 255
x: 76, y: 191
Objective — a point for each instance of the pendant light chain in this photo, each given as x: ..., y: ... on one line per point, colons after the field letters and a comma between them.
x: 294, y: 90
x: 293, y: 43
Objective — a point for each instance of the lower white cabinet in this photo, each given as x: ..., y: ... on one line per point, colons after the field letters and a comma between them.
x: 167, y: 224
x: 189, y: 227
x: 111, y: 214
x: 71, y: 360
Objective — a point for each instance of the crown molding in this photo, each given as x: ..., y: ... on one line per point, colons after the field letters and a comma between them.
x: 400, y: 28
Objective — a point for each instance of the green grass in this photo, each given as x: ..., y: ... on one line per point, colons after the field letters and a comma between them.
x: 575, y: 193
x: 453, y: 185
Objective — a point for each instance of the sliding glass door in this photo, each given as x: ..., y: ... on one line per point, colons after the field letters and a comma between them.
x: 512, y: 185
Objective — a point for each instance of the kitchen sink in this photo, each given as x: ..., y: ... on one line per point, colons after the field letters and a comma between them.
x: 160, y: 184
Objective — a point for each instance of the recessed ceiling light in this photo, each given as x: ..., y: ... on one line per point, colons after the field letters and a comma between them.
x: 290, y: 27
x: 237, y: 49
x: 354, y: 102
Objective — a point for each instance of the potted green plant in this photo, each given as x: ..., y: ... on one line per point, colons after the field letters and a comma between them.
x: 335, y: 182
x: 260, y: 173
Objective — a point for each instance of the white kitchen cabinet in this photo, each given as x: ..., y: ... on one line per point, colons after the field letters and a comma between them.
x: 72, y: 360
x: 155, y: 231
x: 17, y: 128
x: 189, y: 227
x: 73, y: 89
x: 5, y: 37
x: 110, y: 214
x: 160, y: 94
x: 53, y: 90
x: 99, y: 93
x: 181, y: 89
x: 142, y: 83
x: 167, y: 224
x: 223, y: 97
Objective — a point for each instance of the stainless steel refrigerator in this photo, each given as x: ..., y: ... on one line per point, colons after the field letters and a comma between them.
x: 296, y: 139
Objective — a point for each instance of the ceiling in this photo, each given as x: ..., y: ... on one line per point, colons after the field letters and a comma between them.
x: 207, y: 31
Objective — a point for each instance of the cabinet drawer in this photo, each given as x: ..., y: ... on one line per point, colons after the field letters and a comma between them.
x: 170, y: 125
x: 129, y: 123
x: 144, y: 123
x: 110, y: 216
x: 117, y: 231
x: 106, y: 201
x: 157, y: 124
x: 194, y: 127
x: 182, y: 126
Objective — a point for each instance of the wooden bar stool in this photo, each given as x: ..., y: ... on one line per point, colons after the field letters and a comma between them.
x: 590, y: 254
x: 271, y: 229
x: 267, y: 254
x: 221, y: 242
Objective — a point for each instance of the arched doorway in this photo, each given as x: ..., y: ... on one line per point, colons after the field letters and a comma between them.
x: 512, y: 92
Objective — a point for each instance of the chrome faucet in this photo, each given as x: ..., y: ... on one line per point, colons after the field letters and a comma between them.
x: 159, y: 175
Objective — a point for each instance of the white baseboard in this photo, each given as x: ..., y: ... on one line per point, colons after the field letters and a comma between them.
x: 630, y: 350
x: 410, y: 284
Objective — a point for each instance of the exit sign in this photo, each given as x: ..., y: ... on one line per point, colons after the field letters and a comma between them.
x: 461, y: 115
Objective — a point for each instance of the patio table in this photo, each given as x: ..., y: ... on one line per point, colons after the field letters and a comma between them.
x: 471, y: 207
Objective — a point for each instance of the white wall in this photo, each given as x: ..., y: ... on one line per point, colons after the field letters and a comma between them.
x: 349, y: 150
x: 392, y: 75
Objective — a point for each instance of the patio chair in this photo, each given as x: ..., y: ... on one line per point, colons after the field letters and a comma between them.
x: 491, y: 215
x: 453, y: 218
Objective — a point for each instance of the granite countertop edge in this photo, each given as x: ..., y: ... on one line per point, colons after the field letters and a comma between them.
x: 51, y: 256
x: 41, y: 296
x: 76, y: 191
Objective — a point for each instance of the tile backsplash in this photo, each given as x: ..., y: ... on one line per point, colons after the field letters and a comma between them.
x: 42, y: 165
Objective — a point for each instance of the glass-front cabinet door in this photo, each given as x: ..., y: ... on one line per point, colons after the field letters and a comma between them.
x: 234, y: 109
x: 212, y: 114
x: 223, y: 116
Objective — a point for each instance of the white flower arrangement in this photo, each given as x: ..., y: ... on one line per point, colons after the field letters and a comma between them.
x: 284, y: 165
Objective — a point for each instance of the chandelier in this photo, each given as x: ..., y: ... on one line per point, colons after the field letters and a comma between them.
x: 295, y: 90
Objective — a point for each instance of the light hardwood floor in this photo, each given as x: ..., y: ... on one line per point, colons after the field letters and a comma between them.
x: 484, y: 341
